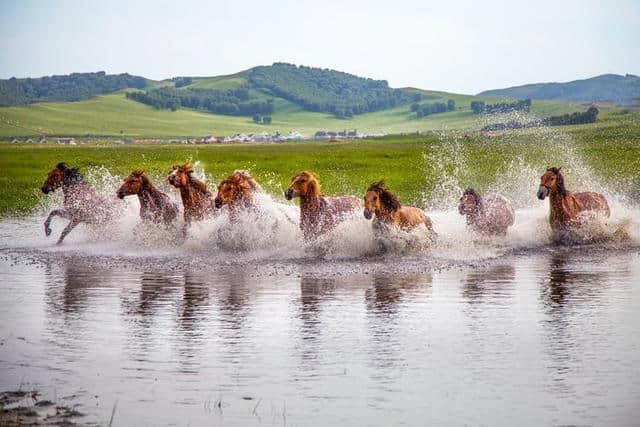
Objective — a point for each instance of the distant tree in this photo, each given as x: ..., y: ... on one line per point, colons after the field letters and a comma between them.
x: 266, y: 120
x: 451, y: 105
x: 257, y: 118
x: 415, y: 106
x: 477, y: 107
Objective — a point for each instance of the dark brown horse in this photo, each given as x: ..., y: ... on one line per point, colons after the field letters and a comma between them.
x: 318, y: 213
x: 81, y: 202
x: 387, y: 209
x: 197, y: 200
x: 490, y: 215
x: 567, y: 206
x: 237, y: 192
x: 155, y: 206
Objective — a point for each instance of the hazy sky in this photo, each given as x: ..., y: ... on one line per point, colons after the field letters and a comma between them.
x: 458, y: 46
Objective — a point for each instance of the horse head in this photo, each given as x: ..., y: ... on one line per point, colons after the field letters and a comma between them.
x: 470, y: 202
x: 303, y: 184
x: 378, y: 199
x: 551, y: 182
x: 239, y: 185
x: 133, y: 184
x: 59, y: 176
x: 180, y: 175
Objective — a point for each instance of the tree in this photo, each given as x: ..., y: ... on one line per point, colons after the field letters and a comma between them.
x: 451, y: 105
x: 415, y: 106
x: 477, y: 107
x: 266, y: 120
x: 257, y: 118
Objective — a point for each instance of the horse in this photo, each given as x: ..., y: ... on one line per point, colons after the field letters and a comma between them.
x: 388, y: 211
x: 318, y: 213
x: 490, y: 215
x: 155, y: 206
x: 197, y: 200
x: 566, y: 206
x: 81, y: 202
x: 237, y: 192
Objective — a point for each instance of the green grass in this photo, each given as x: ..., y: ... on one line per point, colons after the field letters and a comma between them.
x: 115, y: 116
x: 412, y: 165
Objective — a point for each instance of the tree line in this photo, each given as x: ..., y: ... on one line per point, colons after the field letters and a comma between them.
x: 585, y: 117
x: 479, y: 107
x: 433, y: 108
x: 233, y: 102
x: 315, y: 89
x: 72, y: 87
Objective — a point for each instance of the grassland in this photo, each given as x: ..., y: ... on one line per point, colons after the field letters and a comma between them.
x: 412, y: 165
x: 116, y: 116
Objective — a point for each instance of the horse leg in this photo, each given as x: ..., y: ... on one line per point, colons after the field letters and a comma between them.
x: 56, y: 212
x: 67, y: 229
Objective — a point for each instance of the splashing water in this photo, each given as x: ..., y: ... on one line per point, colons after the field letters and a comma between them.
x: 271, y: 232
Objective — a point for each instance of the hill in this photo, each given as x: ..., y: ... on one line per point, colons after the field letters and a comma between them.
x: 621, y: 90
x: 224, y: 105
x: 73, y: 87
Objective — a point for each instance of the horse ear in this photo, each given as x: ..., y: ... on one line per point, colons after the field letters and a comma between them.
x: 62, y: 166
x: 174, y: 167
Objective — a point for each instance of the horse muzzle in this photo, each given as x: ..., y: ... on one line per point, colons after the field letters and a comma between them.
x: 542, y: 192
x: 461, y: 210
x: 288, y: 194
x: 218, y: 203
x: 367, y: 214
x: 46, y: 189
x: 121, y: 194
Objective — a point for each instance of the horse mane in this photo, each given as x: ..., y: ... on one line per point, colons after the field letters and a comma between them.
x: 562, y: 190
x: 389, y: 200
x: 476, y: 196
x: 246, y: 177
x: 188, y: 169
x: 71, y: 176
x: 146, y: 182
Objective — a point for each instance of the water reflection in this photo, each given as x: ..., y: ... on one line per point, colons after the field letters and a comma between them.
x: 569, y: 288
x: 314, y: 293
x: 386, y: 297
x: 491, y: 283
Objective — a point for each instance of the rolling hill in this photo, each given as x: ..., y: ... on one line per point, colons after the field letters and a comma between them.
x: 620, y: 90
x: 301, y: 98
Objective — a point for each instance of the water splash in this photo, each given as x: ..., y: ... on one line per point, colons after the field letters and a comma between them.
x: 271, y: 232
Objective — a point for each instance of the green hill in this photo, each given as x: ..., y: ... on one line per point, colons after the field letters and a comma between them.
x: 115, y: 115
x: 74, y: 87
x: 621, y: 90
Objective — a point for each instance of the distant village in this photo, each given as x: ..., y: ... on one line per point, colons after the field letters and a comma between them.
x: 239, y: 138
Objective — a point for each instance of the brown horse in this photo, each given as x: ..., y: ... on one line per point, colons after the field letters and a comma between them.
x: 155, y: 206
x: 81, y: 202
x: 387, y: 209
x: 197, y: 200
x: 318, y: 213
x: 237, y: 191
x: 565, y: 205
x: 490, y: 215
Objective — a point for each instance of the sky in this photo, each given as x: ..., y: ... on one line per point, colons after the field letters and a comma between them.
x: 456, y: 46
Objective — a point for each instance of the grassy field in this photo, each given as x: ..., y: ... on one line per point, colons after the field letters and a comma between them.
x: 116, y: 116
x: 413, y: 166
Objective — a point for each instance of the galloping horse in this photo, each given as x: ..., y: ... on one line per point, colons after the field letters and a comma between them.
x: 318, y: 213
x: 565, y: 205
x: 388, y: 211
x: 237, y: 192
x: 490, y: 215
x: 81, y: 202
x: 196, y: 198
x: 155, y: 206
